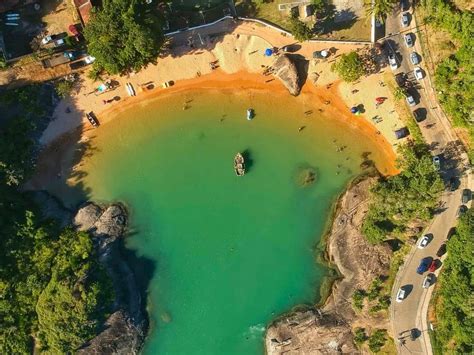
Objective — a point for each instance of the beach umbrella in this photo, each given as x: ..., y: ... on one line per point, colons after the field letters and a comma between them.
x: 268, y: 52
x: 354, y: 109
x: 324, y: 54
x: 380, y: 99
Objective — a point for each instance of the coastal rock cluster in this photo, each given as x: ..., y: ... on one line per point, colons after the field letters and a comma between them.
x: 329, y: 329
x: 285, y: 69
x: 125, y: 330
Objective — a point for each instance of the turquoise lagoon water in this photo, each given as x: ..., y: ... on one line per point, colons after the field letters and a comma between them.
x: 230, y: 253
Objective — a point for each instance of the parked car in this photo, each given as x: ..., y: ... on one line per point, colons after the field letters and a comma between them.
x: 466, y: 196
x: 419, y: 115
x: 46, y: 39
x: 414, y: 58
x: 400, y: 295
x: 392, y: 60
x: 408, y: 40
x: 418, y: 73
x: 461, y: 210
x: 424, y: 265
x: 59, y: 42
x: 400, y: 78
x: 405, y: 19
x: 433, y: 266
x: 437, y: 162
x: 441, y: 251
x: 404, y: 5
x: 423, y: 242
x: 428, y: 281
x: 410, y: 100
x: 89, y: 59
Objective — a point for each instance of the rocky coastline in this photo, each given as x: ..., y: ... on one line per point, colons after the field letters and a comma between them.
x: 328, y: 329
x: 125, y: 329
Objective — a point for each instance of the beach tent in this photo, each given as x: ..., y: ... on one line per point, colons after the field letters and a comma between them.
x: 354, y: 109
x: 268, y: 52
x: 102, y: 88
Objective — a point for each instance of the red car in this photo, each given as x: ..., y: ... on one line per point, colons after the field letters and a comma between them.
x: 433, y: 266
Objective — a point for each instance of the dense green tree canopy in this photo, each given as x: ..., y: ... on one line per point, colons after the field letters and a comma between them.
x: 380, y: 9
x: 53, y: 292
x: 349, y: 67
x: 454, y: 330
x: 299, y: 29
x: 398, y: 199
x: 454, y: 77
x: 124, y: 35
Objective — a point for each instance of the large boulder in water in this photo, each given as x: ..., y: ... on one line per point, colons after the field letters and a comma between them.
x: 87, y: 216
x: 285, y: 69
x: 110, y: 223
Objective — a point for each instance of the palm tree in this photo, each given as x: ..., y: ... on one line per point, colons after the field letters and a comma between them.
x: 379, y: 9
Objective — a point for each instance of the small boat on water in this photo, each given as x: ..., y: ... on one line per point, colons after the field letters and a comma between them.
x: 239, y: 165
x: 250, y: 114
x: 93, y: 119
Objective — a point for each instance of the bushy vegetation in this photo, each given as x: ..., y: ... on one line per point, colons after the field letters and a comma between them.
x: 64, y: 88
x: 379, y: 8
x: 377, y: 339
x: 360, y: 336
x: 454, y: 76
x: 299, y: 29
x: 358, y: 299
x: 349, y: 67
x: 454, y: 329
x: 124, y: 35
x: 53, y: 293
x: 397, y: 200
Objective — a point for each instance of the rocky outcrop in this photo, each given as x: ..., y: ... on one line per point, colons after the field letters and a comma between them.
x: 309, y: 332
x: 124, y: 331
x: 286, y: 70
x: 329, y: 329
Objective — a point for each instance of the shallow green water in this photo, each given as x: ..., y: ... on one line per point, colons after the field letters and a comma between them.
x: 230, y: 252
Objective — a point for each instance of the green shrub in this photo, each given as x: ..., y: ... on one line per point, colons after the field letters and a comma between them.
x: 377, y: 340
x: 358, y: 299
x: 300, y: 30
x: 360, y: 336
x: 349, y: 67
x: 64, y: 88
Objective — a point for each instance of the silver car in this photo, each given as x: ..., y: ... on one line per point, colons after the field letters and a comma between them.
x: 410, y: 100
x: 408, y: 40
x: 405, y: 20
x: 428, y: 280
x: 414, y: 58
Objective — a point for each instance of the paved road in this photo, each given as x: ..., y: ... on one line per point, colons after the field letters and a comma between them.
x: 437, y: 132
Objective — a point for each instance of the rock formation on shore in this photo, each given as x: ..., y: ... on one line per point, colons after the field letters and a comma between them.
x: 329, y: 329
x: 286, y: 70
x: 124, y: 331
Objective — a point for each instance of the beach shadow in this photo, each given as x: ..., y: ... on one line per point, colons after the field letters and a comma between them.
x: 248, y: 160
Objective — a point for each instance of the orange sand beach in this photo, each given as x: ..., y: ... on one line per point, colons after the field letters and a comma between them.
x: 240, y: 61
x: 59, y: 157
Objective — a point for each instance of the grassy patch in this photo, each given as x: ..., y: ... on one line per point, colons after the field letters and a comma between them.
x: 403, y: 111
x: 397, y: 260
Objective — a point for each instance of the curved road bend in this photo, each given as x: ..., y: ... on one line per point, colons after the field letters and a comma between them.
x: 437, y: 132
